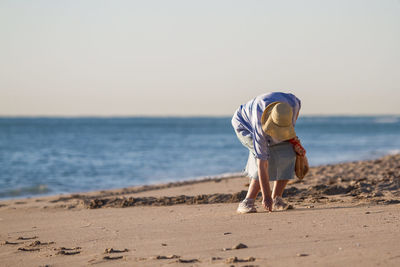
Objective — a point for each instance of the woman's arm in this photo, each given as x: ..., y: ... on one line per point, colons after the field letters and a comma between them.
x: 264, y: 183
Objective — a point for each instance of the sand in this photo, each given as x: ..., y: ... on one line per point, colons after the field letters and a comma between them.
x: 344, y: 214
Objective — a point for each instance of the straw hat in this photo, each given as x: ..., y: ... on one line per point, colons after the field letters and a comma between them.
x: 277, y: 121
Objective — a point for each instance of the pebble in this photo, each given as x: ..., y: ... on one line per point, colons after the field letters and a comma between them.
x: 10, y: 243
x: 27, y: 238
x: 112, y: 257
x: 187, y: 261
x: 301, y: 254
x: 68, y: 253
x: 29, y: 249
x: 236, y: 259
x: 159, y: 257
x: 239, y: 246
x: 112, y: 250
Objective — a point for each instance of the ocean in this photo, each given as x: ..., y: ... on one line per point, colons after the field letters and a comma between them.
x: 44, y: 156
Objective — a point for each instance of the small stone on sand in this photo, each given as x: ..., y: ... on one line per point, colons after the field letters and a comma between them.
x: 236, y: 259
x: 64, y: 248
x: 301, y: 254
x: 67, y: 253
x: 112, y: 250
x: 27, y: 238
x: 112, y: 257
x: 10, y: 243
x: 187, y: 261
x: 29, y: 249
x: 160, y: 257
x: 38, y: 243
x: 239, y: 246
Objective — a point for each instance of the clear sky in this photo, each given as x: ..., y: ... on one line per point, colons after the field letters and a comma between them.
x: 111, y: 58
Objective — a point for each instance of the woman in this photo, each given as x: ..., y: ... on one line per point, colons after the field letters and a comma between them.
x: 264, y: 125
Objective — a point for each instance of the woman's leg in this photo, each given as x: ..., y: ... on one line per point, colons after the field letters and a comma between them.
x: 279, y: 186
x: 254, y: 188
x: 247, y: 205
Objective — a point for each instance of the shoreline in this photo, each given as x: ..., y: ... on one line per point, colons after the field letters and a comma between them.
x: 322, y: 182
x: 195, y: 180
x: 155, y: 185
x: 344, y: 214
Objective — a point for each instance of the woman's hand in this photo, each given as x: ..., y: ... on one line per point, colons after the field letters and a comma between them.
x: 298, y: 148
x: 267, y: 203
x: 264, y: 184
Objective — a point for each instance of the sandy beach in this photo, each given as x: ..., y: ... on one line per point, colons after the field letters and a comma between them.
x: 344, y: 215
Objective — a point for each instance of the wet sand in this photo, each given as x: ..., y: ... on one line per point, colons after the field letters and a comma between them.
x: 344, y: 214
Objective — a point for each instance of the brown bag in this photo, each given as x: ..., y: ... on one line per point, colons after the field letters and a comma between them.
x: 301, y: 168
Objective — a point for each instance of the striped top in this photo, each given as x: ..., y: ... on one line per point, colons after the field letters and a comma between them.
x: 247, y: 119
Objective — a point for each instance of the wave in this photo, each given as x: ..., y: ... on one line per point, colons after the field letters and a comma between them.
x: 197, y: 178
x: 223, y: 175
x: 25, y: 191
x: 394, y: 151
x: 387, y: 120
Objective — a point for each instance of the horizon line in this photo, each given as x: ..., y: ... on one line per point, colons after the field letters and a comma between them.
x: 176, y: 116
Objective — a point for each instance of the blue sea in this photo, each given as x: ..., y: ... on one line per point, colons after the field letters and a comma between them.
x: 42, y: 156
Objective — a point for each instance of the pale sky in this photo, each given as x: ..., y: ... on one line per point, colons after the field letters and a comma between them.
x: 132, y: 58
